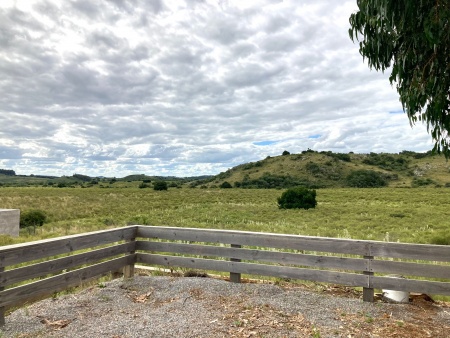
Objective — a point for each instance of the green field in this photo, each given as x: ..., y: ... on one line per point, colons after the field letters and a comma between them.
x: 419, y: 215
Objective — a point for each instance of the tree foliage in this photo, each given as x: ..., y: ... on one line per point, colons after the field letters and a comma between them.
x: 412, y: 37
x: 226, y: 185
x: 32, y: 218
x: 297, y: 198
x: 8, y: 172
x: 160, y: 185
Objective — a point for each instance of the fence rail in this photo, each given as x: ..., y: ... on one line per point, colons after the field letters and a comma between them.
x: 57, y: 264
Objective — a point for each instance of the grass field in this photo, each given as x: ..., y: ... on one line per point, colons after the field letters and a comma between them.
x: 419, y: 215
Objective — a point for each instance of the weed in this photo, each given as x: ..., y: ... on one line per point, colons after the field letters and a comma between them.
x: 315, y: 332
x: 104, y: 298
x: 369, y: 318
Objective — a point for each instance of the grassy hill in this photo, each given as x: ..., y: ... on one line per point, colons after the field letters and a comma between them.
x: 310, y: 168
x: 332, y: 170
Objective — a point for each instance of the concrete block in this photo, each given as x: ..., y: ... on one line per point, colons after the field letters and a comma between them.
x: 9, y: 222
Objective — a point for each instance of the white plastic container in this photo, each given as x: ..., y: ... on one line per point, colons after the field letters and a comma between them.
x: 396, y: 296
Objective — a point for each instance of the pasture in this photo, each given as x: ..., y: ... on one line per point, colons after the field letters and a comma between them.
x: 419, y: 215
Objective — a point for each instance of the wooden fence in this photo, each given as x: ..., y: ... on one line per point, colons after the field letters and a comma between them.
x: 357, y: 263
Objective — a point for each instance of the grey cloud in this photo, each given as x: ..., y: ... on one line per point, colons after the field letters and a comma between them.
x: 10, y: 153
x: 250, y: 75
x: 87, y: 8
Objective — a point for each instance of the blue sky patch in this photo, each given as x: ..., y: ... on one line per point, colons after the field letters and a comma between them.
x: 315, y: 136
x: 264, y: 143
x: 396, y: 112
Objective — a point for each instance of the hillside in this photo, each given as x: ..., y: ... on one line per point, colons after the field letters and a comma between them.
x: 328, y: 170
x: 310, y: 168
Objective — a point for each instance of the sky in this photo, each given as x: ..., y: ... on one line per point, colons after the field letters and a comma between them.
x: 187, y: 88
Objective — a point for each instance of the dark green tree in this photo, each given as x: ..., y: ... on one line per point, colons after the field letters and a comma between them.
x: 160, y: 185
x: 226, y: 185
x: 412, y: 37
x: 297, y: 198
x: 32, y: 218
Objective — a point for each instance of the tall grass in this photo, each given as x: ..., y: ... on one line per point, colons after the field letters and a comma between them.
x: 393, y: 214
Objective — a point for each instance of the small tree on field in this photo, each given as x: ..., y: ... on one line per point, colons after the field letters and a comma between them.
x: 160, y: 185
x: 32, y: 218
x: 297, y: 198
x: 226, y: 185
x: 285, y: 153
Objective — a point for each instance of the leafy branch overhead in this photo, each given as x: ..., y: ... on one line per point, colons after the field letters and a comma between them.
x: 412, y: 37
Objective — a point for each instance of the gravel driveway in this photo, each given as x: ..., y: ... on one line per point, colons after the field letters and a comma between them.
x: 149, y: 306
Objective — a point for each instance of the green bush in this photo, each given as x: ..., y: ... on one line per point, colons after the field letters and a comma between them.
x: 32, y: 218
x: 366, y: 179
x: 160, y: 185
x: 313, y: 168
x: 420, y: 182
x: 297, y: 198
x: 441, y: 239
x: 226, y: 185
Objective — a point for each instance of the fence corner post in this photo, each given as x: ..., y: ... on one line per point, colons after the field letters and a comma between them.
x: 128, y: 270
x: 235, y: 277
x: 368, y: 292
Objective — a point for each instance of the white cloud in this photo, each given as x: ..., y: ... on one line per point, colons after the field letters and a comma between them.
x: 186, y: 88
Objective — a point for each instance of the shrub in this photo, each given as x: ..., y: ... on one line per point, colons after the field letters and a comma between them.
x: 226, y: 185
x: 441, y: 239
x: 297, y: 198
x: 313, y: 168
x: 420, y: 182
x: 285, y: 153
x: 143, y: 185
x: 32, y: 218
x: 366, y: 179
x: 160, y: 185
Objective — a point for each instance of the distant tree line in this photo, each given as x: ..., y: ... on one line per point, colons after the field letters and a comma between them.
x: 8, y: 172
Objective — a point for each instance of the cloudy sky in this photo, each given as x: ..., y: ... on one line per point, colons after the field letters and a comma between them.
x: 187, y: 88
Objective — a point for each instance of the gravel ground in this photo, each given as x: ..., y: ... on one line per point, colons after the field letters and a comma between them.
x: 149, y: 306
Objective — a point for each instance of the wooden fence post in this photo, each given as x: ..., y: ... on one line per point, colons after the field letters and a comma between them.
x: 235, y: 277
x: 2, y: 308
x: 368, y: 292
x: 128, y: 270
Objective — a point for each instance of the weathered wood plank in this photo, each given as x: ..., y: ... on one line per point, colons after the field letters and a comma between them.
x: 255, y: 269
x: 426, y: 252
x: 402, y: 284
x: 256, y: 255
x: 19, y: 253
x: 411, y: 269
x: 322, y: 244
x: 57, y: 265
x: 18, y: 295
